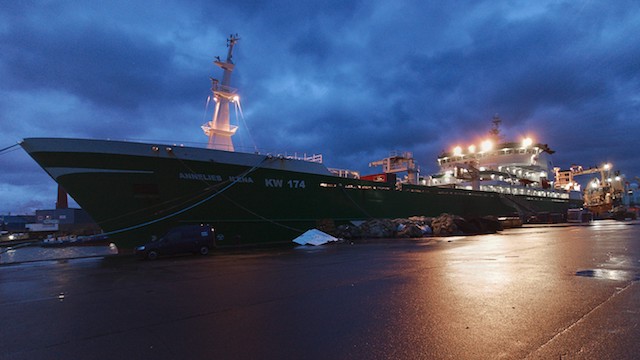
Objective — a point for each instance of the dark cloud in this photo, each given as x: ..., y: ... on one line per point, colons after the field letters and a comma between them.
x: 102, y: 65
x: 351, y: 79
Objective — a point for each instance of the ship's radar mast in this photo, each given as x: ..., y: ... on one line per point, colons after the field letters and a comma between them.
x: 218, y: 129
x: 494, y: 133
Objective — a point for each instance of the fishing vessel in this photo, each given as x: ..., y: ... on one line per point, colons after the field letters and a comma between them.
x: 137, y: 190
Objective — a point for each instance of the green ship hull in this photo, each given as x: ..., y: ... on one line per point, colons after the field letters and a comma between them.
x: 135, y: 191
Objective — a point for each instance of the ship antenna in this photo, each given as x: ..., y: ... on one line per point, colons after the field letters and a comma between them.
x: 495, y: 130
x: 231, y: 41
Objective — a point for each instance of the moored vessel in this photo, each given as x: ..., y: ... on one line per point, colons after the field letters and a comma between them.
x: 137, y: 190
x: 520, y: 168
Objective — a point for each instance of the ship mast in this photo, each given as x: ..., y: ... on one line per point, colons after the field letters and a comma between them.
x: 494, y: 133
x: 218, y: 129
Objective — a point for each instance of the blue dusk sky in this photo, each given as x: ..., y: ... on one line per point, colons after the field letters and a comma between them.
x: 352, y: 80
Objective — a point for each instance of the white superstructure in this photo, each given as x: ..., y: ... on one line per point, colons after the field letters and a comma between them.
x: 521, y: 168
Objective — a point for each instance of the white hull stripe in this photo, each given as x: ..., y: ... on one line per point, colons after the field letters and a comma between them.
x: 55, y: 172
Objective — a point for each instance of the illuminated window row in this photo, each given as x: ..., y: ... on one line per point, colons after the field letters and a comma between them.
x: 355, y: 186
x: 524, y: 191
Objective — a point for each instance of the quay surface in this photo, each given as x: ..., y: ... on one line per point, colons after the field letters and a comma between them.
x: 528, y: 293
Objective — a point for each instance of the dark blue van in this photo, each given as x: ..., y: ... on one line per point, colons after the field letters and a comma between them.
x: 197, y: 239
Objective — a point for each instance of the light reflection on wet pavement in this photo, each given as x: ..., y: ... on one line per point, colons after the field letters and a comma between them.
x: 20, y: 254
x: 535, y: 293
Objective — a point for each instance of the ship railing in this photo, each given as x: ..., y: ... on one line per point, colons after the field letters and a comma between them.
x: 316, y: 158
x: 345, y: 173
x: 401, y: 154
x: 224, y: 88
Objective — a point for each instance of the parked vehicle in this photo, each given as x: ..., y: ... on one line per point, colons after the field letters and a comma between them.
x: 197, y: 239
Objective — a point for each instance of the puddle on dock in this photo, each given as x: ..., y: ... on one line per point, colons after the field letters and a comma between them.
x: 610, y: 274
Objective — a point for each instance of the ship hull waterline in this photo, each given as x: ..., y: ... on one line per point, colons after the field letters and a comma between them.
x: 137, y: 190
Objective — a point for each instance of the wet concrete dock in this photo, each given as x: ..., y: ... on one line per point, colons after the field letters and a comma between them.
x: 530, y: 293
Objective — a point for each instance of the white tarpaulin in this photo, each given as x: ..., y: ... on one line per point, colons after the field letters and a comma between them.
x: 314, y: 237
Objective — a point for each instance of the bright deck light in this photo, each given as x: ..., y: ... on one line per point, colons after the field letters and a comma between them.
x: 526, y: 142
x: 457, y: 151
x: 486, y: 145
x: 472, y: 149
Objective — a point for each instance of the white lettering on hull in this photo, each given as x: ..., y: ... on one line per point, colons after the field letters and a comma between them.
x: 270, y: 183
x: 200, y: 177
x: 279, y: 183
x: 242, y: 179
x: 273, y: 182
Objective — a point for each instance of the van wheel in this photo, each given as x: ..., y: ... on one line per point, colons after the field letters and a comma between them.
x: 204, y: 250
x: 152, y: 255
